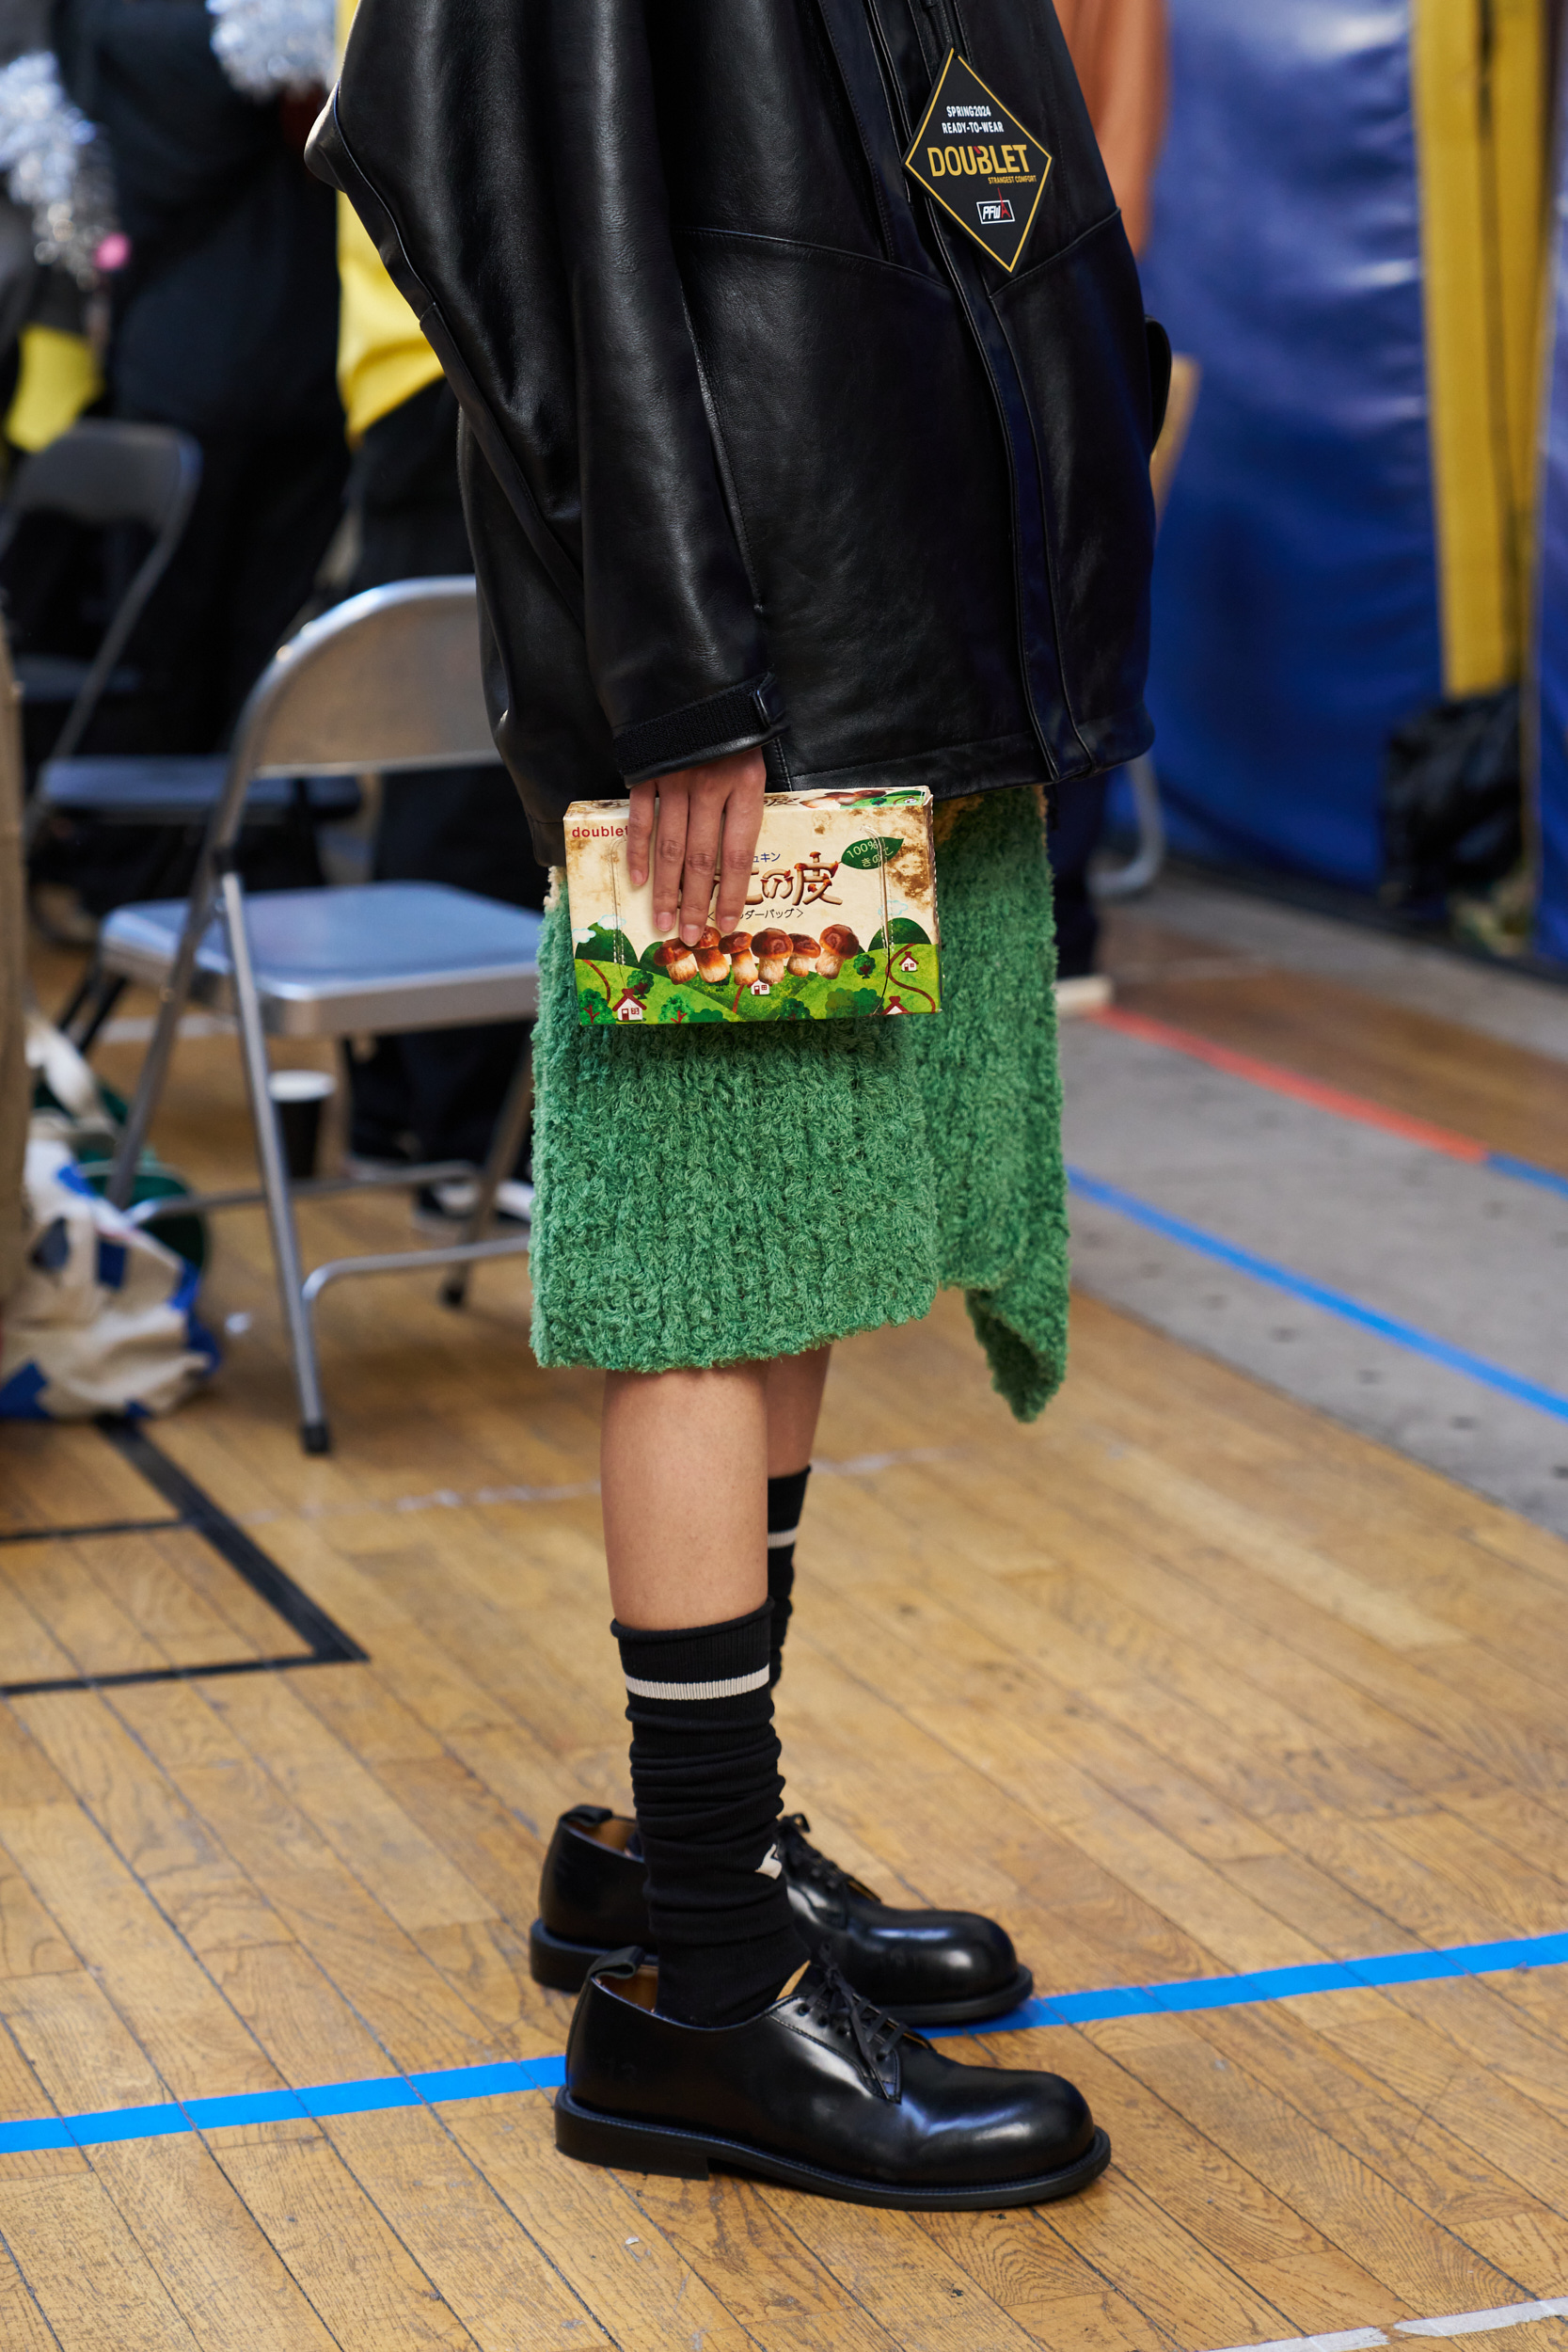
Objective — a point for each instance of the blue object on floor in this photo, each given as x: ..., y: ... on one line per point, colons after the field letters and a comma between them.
x: 1295, y: 599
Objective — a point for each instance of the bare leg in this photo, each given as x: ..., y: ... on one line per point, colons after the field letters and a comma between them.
x: 794, y: 1386
x: 685, y: 1470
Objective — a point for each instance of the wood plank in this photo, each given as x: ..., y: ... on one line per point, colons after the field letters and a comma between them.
x: 22, y: 2325
x: 96, y: 1634
x: 30, y: 1943
x: 751, y: 2258
x: 416, y: 2017
x: 194, y: 1883
x: 222, y: 2276
x: 1336, y: 2190
x: 398, y: 1866
x: 64, y: 1475
x: 369, y: 2293
x: 1413, y: 1062
x: 506, y: 2292
x: 191, y: 2035
x: 93, y: 2284
x: 638, y: 2286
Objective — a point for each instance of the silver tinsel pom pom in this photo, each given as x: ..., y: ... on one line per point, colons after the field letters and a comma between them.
x: 266, y: 46
x: 55, y: 166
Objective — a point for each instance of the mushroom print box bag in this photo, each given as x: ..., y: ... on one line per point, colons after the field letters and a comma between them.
x: 840, y: 921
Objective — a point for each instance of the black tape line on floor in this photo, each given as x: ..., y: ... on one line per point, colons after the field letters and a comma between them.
x: 328, y: 1645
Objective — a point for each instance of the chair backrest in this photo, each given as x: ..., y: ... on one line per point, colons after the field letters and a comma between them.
x: 101, y: 473
x: 387, y: 680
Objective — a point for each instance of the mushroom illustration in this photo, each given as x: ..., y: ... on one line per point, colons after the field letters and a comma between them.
x: 743, y: 963
x: 804, y: 951
x: 712, y: 962
x: 772, y: 955
x: 675, y: 959
x: 838, y: 945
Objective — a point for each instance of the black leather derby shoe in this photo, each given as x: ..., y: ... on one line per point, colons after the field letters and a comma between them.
x: 923, y: 1967
x: 822, y: 2091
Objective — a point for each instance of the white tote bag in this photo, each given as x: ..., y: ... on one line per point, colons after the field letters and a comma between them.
x: 102, y: 1320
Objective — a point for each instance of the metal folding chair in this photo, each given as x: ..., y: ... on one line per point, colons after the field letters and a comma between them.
x: 389, y: 680
x: 178, y: 793
x: 102, y: 473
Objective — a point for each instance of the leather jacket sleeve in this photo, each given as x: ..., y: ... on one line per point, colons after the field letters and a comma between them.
x: 513, y: 181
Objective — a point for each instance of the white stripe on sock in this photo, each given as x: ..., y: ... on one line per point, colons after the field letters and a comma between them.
x: 783, y: 1535
x: 729, y: 1689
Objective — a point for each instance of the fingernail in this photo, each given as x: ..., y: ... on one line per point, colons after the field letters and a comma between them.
x: 691, y: 932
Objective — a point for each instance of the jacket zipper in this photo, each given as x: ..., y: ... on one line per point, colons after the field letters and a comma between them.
x: 1038, y: 640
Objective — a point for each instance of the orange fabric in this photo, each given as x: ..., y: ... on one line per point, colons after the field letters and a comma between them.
x: 1119, y: 47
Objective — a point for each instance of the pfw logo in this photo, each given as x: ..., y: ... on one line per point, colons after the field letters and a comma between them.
x: 995, y: 212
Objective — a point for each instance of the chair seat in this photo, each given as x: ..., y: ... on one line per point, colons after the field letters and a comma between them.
x: 55, y: 678
x: 370, y: 956
x: 156, y: 789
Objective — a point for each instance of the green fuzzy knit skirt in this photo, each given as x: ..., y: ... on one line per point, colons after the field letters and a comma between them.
x: 711, y: 1195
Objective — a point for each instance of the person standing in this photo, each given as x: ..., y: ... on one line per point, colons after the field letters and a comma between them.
x: 777, y: 472
x: 225, y: 324
x: 435, y: 1094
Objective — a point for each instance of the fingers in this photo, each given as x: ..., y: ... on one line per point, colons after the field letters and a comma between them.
x: 669, y: 850
x: 640, y: 832
x: 705, y: 824
x: 742, y: 824
x: 701, y: 810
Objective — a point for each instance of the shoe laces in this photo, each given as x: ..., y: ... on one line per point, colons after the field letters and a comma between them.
x: 829, y: 2000
x: 802, y: 1860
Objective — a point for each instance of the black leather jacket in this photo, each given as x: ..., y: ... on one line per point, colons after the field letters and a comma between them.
x: 759, y: 447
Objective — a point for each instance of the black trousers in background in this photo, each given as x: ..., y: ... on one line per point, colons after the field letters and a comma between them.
x: 267, y: 506
x: 435, y: 1092
x: 1077, y: 817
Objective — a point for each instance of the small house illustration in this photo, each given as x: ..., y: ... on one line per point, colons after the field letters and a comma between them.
x: 892, y: 1005
x: 628, y: 1007
x: 762, y: 988
x: 906, y: 963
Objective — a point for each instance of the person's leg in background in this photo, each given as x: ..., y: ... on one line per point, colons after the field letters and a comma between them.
x: 1077, y: 815
x: 794, y: 1386
x: 265, y: 510
x: 435, y: 1094
x: 289, y: 502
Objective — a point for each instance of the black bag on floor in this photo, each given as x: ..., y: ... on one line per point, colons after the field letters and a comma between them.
x: 1452, y: 800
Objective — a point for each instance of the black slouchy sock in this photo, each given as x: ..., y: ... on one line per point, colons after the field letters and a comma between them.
x: 705, y: 1781
x: 786, y: 1499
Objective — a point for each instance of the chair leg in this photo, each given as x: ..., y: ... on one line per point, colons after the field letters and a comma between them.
x: 275, y: 1175
x: 88, y: 985
x: 110, y: 989
x: 502, y: 1158
x: 173, y: 998
x: 1143, y: 867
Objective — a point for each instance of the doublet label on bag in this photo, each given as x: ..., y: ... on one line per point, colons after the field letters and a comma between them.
x: 979, y: 163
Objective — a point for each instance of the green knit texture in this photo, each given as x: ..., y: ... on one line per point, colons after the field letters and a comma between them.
x: 713, y: 1195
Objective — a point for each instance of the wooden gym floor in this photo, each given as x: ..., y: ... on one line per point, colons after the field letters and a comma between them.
x: 1187, y: 1681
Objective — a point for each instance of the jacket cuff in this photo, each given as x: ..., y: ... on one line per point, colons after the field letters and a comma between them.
x: 736, y: 721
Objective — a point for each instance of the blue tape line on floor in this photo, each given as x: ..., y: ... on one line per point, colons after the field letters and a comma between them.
x: 380, y: 2092
x: 1317, y: 1295
x: 1527, y: 1172
x: 1278, y: 1985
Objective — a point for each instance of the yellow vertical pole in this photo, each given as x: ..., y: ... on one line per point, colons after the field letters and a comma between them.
x: 1477, y: 71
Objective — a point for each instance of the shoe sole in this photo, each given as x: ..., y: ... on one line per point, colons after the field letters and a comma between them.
x: 563, y: 1966
x: 588, y: 2136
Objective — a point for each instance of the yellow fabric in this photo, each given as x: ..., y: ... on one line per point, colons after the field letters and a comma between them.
x: 59, y: 377
x: 1480, y: 125
x: 383, y: 359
